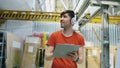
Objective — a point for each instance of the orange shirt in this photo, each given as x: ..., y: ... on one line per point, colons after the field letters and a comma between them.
x: 58, y: 38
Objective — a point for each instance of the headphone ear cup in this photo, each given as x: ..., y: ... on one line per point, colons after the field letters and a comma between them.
x: 73, y: 20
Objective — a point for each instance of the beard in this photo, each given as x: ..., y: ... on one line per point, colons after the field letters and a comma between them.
x: 61, y: 25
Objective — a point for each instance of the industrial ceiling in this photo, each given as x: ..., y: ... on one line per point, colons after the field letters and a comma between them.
x: 38, y: 5
x: 80, y: 6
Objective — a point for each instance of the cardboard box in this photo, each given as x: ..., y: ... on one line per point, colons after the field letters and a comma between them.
x: 30, y: 53
x: 14, y: 51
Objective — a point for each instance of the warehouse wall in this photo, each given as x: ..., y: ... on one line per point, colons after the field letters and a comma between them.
x: 19, y: 28
x: 46, y: 26
x: 91, y: 32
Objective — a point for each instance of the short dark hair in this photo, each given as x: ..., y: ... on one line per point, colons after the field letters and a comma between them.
x: 70, y: 13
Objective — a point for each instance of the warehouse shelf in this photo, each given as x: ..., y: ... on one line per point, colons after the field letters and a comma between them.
x: 46, y: 16
x: 112, y: 19
x: 30, y: 15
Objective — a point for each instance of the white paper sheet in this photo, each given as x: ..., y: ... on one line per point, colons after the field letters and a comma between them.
x: 30, y: 49
x: 16, y: 44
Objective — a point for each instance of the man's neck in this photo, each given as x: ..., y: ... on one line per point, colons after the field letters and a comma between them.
x: 67, y: 32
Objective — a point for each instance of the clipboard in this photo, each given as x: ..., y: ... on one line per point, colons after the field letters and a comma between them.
x: 61, y: 50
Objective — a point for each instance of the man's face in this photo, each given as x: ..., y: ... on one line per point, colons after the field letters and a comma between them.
x: 65, y: 21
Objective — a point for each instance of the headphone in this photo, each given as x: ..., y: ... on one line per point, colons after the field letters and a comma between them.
x: 73, y: 20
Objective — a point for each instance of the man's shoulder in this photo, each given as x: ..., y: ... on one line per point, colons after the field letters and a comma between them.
x: 56, y: 32
x: 78, y: 33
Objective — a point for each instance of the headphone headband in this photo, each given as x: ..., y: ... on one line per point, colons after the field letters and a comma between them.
x: 73, y: 20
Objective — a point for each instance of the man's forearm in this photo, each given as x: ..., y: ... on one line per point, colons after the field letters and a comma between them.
x: 81, y: 55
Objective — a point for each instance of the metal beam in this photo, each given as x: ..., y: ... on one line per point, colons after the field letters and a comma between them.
x: 64, y: 4
x: 87, y: 18
x: 74, y: 3
x: 98, y: 2
x: 112, y: 19
x: 30, y: 15
x: 83, y: 8
x: 105, y: 43
x: 51, y: 16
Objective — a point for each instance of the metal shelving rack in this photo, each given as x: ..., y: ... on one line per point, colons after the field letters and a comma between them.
x: 2, y: 50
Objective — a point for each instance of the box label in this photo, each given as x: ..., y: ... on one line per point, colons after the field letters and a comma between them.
x: 30, y: 49
x: 16, y: 44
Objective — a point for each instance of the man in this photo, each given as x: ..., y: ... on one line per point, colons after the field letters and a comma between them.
x: 65, y: 36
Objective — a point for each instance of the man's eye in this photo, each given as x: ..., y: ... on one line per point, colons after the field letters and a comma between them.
x: 64, y: 16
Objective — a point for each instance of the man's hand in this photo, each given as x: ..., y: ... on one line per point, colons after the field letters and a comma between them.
x: 49, y: 53
x: 73, y: 56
